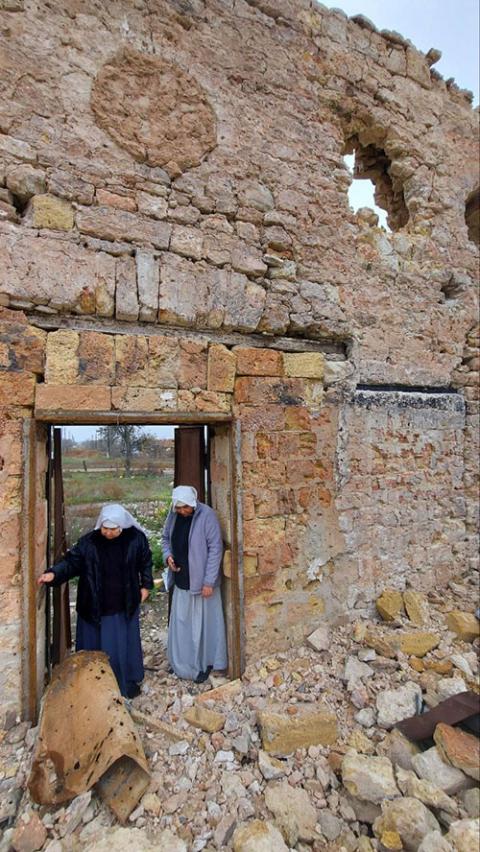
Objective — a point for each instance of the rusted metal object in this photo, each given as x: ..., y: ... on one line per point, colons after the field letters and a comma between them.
x: 86, y: 738
x: 458, y: 708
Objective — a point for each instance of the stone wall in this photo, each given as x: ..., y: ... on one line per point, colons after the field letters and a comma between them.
x: 174, y: 224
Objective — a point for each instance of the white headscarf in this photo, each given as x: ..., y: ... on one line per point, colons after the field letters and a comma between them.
x: 113, y: 514
x: 185, y: 494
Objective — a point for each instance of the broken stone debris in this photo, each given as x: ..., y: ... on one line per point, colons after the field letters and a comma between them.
x: 222, y: 789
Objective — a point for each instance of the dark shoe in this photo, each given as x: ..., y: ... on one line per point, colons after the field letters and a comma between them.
x: 133, y: 690
x: 201, y: 678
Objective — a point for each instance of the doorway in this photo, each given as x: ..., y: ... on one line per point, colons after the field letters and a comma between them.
x: 162, y: 456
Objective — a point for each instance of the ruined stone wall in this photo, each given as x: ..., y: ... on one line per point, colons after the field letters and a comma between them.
x: 174, y: 223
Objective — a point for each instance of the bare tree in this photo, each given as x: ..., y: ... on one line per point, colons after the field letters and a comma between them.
x: 127, y: 438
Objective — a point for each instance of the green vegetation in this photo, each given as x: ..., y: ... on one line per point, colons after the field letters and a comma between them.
x: 107, y: 487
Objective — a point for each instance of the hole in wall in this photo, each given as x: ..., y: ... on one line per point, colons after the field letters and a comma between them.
x: 472, y: 216
x: 361, y: 193
x: 371, y: 163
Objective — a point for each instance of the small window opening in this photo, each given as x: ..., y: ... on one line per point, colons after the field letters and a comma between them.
x: 371, y: 166
x: 472, y: 216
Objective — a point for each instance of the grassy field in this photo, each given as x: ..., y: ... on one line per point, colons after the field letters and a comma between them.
x: 108, y: 487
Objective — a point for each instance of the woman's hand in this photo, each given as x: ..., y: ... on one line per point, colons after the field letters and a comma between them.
x: 207, y: 591
x: 171, y: 564
x: 48, y: 577
x: 144, y: 593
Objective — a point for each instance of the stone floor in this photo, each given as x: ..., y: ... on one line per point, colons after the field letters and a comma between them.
x: 219, y: 787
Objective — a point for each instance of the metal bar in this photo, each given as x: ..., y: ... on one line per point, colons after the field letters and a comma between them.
x: 29, y: 658
x: 236, y: 581
x: 62, y: 638
x: 80, y: 418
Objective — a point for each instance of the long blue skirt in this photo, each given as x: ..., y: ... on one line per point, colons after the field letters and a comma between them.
x: 119, y: 637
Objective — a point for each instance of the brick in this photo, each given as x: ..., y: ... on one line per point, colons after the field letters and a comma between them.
x: 163, y: 358
x: 221, y: 369
x: 258, y: 362
x: 73, y: 398
x: 307, y: 365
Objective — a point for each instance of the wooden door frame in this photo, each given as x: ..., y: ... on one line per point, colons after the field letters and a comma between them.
x: 80, y: 418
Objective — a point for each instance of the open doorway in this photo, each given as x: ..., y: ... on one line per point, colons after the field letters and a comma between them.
x: 136, y: 465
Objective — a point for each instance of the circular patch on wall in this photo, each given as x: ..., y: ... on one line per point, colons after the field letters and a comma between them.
x: 154, y: 110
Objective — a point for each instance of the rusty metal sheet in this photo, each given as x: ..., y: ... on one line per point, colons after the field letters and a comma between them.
x: 87, y: 737
x: 453, y: 710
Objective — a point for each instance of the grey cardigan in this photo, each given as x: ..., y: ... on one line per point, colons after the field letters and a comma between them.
x: 205, y: 548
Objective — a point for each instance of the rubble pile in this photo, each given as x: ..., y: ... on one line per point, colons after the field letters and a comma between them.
x: 301, y: 753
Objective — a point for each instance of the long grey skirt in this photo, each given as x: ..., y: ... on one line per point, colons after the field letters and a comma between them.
x: 196, y: 634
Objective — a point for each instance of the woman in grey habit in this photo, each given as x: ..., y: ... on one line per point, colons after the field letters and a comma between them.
x: 193, y: 549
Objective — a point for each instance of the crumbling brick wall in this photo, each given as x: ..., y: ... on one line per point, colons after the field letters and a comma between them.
x: 173, y: 195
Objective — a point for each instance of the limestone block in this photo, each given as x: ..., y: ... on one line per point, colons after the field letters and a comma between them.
x: 96, y: 359
x: 30, y: 833
x: 369, y: 778
x: 258, y: 836
x: 458, y: 748
x: 163, y: 357
x: 106, y: 223
x: 10, y: 543
x: 409, y: 818
x: 248, y: 262
x: 152, y: 205
x: 205, y: 719
x: 57, y: 274
x: 24, y: 181
x: 249, y: 565
x: 46, y: 211
x: 282, y: 734
x: 221, y: 369
x: 61, y: 366
x: 292, y: 803
x: 308, y: 365
x: 243, y: 302
x: 429, y: 765
x: 271, y: 768
x: 336, y: 372
x: 393, y: 705
x: 143, y: 399
x: 126, y: 303
x: 259, y: 390
x: 212, y: 401
x: 11, y: 447
x: 223, y: 694
x: 258, y: 362
x: 416, y: 644
x: 417, y: 607
x: 72, y: 398
x: 320, y: 639
x: 111, y: 199
x: 389, y: 604
x: 426, y: 792
x: 187, y: 242
x: 148, y: 283
x: 464, y: 624
x: 131, y: 359
x: 464, y: 834
x: 17, y: 388
x: 192, y: 367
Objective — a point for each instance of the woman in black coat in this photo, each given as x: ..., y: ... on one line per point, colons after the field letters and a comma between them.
x: 114, y: 565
